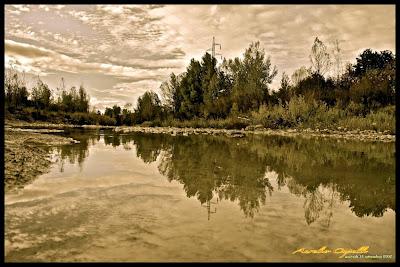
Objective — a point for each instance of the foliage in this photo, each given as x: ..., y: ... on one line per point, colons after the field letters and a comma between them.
x: 148, y: 107
x: 16, y: 93
x: 302, y: 113
x: 300, y: 74
x: 41, y: 95
x: 250, y: 78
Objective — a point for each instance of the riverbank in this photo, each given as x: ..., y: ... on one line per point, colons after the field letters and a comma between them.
x: 366, y: 135
x: 44, y: 125
x: 339, y: 132
x: 27, y: 156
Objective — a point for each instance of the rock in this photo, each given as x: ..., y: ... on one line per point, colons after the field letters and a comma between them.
x: 236, y: 135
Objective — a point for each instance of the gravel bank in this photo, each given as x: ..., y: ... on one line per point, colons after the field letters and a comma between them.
x: 44, y: 125
x: 27, y: 156
x: 367, y: 135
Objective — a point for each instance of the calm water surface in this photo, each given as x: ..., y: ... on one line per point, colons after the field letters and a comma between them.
x: 155, y: 197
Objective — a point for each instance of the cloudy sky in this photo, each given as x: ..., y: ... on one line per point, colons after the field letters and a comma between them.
x: 118, y: 52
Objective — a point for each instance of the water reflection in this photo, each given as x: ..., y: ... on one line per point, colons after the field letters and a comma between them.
x: 76, y: 153
x: 215, y: 168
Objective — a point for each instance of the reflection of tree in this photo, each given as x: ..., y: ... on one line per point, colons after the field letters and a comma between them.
x: 77, y: 152
x: 313, y: 205
x: 207, y: 166
x: 112, y: 139
x: 357, y: 172
x: 320, y: 171
x: 370, y: 196
x: 149, y: 147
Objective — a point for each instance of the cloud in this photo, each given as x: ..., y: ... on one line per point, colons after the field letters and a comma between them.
x: 19, y: 49
x: 135, y: 47
x: 123, y: 93
x: 49, y: 60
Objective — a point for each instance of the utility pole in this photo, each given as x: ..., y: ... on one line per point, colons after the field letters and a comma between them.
x: 213, y: 54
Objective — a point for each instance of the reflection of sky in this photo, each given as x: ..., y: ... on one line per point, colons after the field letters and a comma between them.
x: 124, y: 209
x: 119, y: 52
x: 117, y: 207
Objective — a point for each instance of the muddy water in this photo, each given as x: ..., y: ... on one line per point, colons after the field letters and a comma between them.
x: 154, y: 197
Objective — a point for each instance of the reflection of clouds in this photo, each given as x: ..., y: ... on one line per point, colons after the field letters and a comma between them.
x: 215, y: 166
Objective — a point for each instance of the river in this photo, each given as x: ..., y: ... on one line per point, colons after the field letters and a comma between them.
x: 156, y: 197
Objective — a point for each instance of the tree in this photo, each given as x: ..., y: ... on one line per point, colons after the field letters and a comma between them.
x: 216, y: 89
x: 337, y: 59
x: 284, y: 92
x: 127, y: 115
x: 369, y: 59
x: 109, y: 112
x: 116, y: 110
x: 319, y: 57
x: 251, y: 78
x: 171, y: 99
x: 310, y: 87
x: 83, y: 103
x: 300, y: 74
x: 41, y: 95
x: 148, y: 107
x: 16, y: 93
x: 191, y: 91
x: 375, y: 88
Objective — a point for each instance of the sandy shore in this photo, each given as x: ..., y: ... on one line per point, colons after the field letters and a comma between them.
x: 27, y: 156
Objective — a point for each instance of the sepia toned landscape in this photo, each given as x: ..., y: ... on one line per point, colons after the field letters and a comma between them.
x: 199, y: 133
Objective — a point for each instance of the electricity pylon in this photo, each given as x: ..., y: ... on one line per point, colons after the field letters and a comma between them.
x: 213, y: 54
x: 208, y: 207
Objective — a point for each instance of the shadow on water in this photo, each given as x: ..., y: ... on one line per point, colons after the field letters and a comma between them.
x: 321, y: 171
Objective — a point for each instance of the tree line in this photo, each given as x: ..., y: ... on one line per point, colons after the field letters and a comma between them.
x: 238, y: 86
x: 243, y: 85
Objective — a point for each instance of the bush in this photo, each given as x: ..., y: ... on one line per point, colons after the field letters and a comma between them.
x: 355, y: 109
x: 228, y: 123
x: 379, y: 120
x: 296, y: 112
x: 106, y: 120
x: 312, y: 114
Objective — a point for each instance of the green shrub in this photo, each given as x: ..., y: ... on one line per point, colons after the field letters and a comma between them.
x: 300, y: 113
x: 106, y: 120
x: 228, y: 123
x: 379, y: 120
